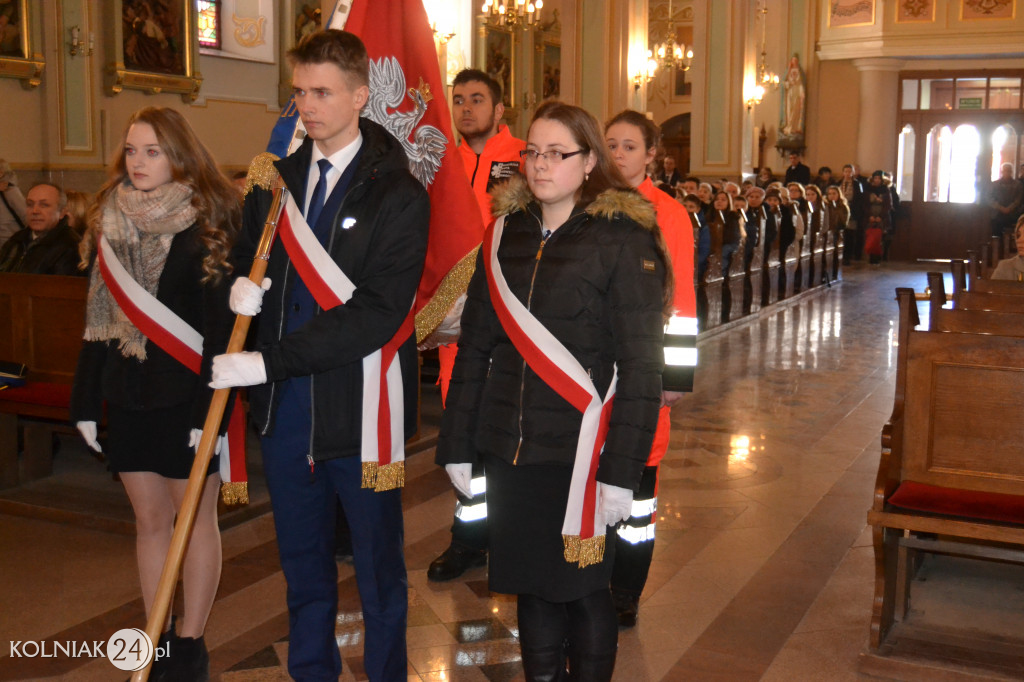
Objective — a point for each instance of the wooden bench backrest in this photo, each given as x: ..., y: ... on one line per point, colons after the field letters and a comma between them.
x: 977, y: 322
x: 998, y: 286
x: 1002, y: 303
x: 42, y: 319
x: 958, y: 402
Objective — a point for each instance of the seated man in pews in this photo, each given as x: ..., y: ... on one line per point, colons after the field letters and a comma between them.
x: 48, y: 245
x: 1013, y: 267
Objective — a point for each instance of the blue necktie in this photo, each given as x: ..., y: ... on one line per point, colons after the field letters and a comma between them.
x: 316, y: 203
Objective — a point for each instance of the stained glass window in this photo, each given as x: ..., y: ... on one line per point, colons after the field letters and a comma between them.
x: 209, y: 23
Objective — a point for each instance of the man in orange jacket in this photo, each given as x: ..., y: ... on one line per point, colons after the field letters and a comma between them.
x: 491, y: 156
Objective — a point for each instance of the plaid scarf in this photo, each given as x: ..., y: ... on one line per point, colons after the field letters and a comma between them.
x: 139, y: 226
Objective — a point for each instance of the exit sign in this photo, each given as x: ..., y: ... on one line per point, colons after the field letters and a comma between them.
x: 970, y: 102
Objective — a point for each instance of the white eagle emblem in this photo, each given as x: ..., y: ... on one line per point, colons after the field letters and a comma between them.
x: 387, y: 92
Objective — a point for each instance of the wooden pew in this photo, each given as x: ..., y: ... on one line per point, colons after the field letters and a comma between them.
x: 1003, y: 298
x: 42, y: 318
x: 951, y: 478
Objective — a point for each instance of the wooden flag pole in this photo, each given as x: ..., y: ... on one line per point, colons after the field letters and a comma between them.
x: 197, y: 477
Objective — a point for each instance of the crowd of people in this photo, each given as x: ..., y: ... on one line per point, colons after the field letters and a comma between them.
x: 731, y: 214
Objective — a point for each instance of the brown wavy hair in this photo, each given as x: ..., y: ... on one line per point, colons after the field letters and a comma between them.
x: 587, y: 134
x: 218, y: 206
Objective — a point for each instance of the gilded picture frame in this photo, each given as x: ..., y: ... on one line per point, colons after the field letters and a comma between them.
x: 153, y: 53
x: 550, y: 69
x: 19, y: 57
x: 498, y: 62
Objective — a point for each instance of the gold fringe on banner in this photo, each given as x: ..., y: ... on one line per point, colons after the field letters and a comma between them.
x: 381, y: 478
x: 262, y: 172
x: 582, y: 552
x: 452, y: 286
x: 235, y: 492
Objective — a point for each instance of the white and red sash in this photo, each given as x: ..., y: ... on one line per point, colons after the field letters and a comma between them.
x: 178, y: 339
x: 383, y: 438
x: 583, y: 531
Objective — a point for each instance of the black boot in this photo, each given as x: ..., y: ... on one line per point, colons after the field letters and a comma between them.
x: 627, y: 607
x: 161, y: 666
x: 455, y: 561
x: 544, y: 665
x: 190, y: 661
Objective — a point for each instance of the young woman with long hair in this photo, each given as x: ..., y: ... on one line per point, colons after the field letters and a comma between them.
x: 576, y: 258
x: 167, y: 217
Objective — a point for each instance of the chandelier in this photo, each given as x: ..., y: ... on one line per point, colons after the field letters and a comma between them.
x: 512, y: 13
x: 670, y: 54
x: 766, y: 78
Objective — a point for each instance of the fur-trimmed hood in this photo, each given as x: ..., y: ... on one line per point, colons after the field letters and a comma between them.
x: 515, y: 195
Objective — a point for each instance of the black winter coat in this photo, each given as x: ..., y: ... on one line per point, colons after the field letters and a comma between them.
x: 382, y: 252
x: 55, y: 253
x: 597, y: 286
x: 104, y: 373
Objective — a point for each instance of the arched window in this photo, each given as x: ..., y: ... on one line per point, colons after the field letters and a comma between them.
x: 905, y: 163
x: 1004, y: 148
x: 209, y: 23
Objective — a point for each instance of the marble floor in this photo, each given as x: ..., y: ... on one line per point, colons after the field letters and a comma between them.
x: 763, y: 567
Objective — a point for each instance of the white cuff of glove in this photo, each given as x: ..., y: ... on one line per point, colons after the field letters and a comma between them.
x: 614, y: 503
x: 88, y: 431
x: 247, y: 298
x: 196, y: 435
x: 238, y: 369
x: 461, y: 475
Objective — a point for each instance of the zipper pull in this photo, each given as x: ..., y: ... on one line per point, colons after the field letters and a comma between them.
x: 309, y: 458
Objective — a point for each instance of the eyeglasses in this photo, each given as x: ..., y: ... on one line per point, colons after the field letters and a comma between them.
x: 551, y: 156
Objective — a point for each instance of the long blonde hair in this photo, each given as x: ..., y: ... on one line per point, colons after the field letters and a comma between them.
x: 218, y: 206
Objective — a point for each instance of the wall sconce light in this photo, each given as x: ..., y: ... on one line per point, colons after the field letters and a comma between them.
x: 77, y: 45
x: 647, y: 74
x: 756, y: 95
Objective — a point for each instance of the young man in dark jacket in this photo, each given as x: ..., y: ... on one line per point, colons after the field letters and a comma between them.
x: 368, y: 220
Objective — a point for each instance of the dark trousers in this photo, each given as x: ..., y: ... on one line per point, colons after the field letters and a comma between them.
x: 304, y: 501
x: 633, y: 552
x: 467, y: 531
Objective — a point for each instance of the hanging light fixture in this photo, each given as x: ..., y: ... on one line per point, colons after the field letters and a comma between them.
x: 512, y: 13
x: 671, y: 54
x: 766, y: 78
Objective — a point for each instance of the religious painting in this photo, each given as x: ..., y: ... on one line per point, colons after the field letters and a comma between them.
x: 911, y: 11
x: 18, y: 57
x: 154, y: 47
x: 845, y: 13
x: 498, y: 60
x: 307, y: 19
x: 987, y: 9
x: 551, y: 71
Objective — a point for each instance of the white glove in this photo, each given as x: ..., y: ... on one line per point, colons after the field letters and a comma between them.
x: 614, y: 503
x: 88, y: 431
x: 247, y: 298
x: 461, y: 475
x: 238, y: 369
x: 196, y: 435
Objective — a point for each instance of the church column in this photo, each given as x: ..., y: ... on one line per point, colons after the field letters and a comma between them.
x: 876, y: 133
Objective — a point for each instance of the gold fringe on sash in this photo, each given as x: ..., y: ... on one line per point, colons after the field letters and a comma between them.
x: 582, y: 552
x: 448, y: 291
x: 381, y: 478
x: 235, y: 492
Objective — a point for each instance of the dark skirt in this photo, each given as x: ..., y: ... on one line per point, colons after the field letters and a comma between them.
x: 525, y: 510
x: 152, y: 440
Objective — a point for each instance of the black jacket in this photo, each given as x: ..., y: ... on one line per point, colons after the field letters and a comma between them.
x: 382, y: 252
x: 103, y: 373
x: 55, y: 253
x: 597, y: 286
